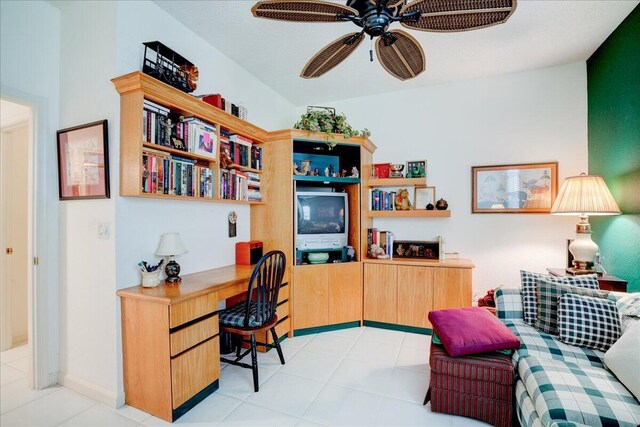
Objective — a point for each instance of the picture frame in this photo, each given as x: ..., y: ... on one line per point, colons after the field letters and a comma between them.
x: 83, y: 161
x: 416, y: 249
x: 519, y: 188
x: 423, y: 196
x: 416, y: 169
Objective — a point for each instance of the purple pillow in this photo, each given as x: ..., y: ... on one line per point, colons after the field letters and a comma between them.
x: 471, y: 330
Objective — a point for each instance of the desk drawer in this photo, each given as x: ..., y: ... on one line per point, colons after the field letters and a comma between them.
x: 192, y: 309
x: 194, y: 370
x: 194, y: 334
x: 283, y: 310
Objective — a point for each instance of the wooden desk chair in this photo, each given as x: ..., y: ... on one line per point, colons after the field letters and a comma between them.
x: 257, y: 313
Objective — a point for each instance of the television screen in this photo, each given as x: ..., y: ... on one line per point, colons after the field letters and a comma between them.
x: 321, y: 214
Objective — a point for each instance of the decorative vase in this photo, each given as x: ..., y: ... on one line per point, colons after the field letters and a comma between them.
x: 442, y: 205
x: 430, y: 207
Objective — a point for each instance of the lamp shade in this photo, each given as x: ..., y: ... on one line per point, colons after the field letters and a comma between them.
x: 170, y: 244
x: 585, y: 195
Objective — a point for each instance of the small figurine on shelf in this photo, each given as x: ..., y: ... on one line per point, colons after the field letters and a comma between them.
x: 316, y: 172
x: 295, y: 169
x: 430, y: 206
x: 402, y: 201
x: 331, y: 171
x: 354, y: 172
x: 378, y: 252
x: 442, y: 205
x: 326, y: 172
x: 344, y: 173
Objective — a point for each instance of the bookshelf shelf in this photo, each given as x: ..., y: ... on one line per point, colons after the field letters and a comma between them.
x: 177, y: 152
x: 409, y: 214
x: 148, y: 108
x: 397, y: 182
x: 329, y: 179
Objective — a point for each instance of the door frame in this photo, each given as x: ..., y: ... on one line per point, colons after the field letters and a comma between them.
x: 43, y: 289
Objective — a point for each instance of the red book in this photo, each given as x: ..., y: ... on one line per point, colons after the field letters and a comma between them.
x: 215, y: 100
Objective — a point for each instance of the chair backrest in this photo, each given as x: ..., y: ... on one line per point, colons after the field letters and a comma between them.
x: 264, y: 286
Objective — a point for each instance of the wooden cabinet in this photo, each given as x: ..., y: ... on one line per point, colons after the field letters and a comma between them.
x: 326, y: 294
x: 404, y: 293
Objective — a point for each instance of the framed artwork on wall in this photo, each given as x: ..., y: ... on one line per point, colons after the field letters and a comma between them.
x: 416, y: 169
x: 83, y: 162
x: 523, y: 188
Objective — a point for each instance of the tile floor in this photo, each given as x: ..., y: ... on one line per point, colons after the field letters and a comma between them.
x: 353, y: 377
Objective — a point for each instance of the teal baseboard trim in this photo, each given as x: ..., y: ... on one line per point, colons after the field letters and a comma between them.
x: 394, y: 327
x: 318, y: 329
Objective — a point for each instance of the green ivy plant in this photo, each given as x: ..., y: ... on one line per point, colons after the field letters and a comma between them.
x: 329, y: 123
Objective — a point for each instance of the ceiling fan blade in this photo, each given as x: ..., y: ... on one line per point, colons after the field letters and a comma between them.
x: 331, y: 55
x: 402, y: 58
x: 387, y: 3
x: 301, y: 10
x: 461, y: 15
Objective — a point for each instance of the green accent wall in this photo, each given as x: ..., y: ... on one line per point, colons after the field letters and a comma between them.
x: 613, y: 74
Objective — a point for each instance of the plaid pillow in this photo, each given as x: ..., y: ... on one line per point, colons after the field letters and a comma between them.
x: 548, y: 293
x: 588, y: 321
x: 528, y: 282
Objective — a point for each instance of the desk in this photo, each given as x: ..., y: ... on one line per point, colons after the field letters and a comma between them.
x: 170, y: 342
x: 606, y: 281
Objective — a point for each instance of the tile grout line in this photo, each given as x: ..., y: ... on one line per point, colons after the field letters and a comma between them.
x: 75, y: 415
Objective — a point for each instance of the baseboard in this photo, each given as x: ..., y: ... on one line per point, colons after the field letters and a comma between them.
x: 395, y: 327
x: 326, y: 328
x: 90, y: 390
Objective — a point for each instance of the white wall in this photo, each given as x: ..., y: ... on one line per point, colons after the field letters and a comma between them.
x: 29, y: 72
x: 88, y: 348
x: 533, y: 116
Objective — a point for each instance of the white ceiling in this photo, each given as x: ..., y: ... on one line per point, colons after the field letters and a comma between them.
x: 539, y: 34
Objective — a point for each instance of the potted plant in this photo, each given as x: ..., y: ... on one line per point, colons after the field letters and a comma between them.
x: 324, y: 119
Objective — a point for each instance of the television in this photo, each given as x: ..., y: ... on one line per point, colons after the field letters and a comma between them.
x: 322, y: 220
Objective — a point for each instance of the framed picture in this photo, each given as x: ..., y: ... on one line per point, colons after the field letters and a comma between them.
x: 525, y: 188
x: 83, y: 162
x: 416, y: 169
x: 416, y: 249
x: 423, y: 196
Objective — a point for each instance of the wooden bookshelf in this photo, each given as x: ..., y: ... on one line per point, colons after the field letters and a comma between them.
x: 418, y: 213
x: 134, y: 88
x: 397, y: 182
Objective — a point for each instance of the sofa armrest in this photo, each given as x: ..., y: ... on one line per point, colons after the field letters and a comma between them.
x: 509, y: 304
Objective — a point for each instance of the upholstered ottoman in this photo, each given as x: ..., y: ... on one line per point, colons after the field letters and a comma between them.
x: 471, y: 370
x: 478, y: 386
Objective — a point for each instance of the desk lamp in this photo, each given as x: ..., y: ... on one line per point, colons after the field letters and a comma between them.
x: 171, y: 245
x: 584, y: 195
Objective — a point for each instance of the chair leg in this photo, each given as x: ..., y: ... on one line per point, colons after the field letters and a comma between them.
x: 427, y: 398
x: 238, y: 344
x: 254, y: 363
x: 276, y: 341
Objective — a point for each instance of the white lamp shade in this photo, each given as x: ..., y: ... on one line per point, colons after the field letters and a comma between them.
x: 170, y: 244
x: 585, y: 195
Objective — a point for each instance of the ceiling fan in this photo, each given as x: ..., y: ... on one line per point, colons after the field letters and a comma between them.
x: 398, y: 52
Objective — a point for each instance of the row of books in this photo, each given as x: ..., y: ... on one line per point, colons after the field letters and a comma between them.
x: 219, y: 102
x: 188, y: 134
x: 234, y: 184
x: 163, y: 173
x: 381, y: 238
x: 240, y: 150
x: 382, y: 200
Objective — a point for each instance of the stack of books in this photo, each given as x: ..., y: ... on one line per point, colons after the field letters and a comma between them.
x: 382, y: 200
x: 253, y: 187
x: 155, y: 123
x: 163, y: 173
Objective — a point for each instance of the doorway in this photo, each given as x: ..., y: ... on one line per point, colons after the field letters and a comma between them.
x: 16, y: 237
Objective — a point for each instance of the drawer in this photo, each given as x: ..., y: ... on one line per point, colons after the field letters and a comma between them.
x: 194, y: 370
x: 192, y: 309
x: 282, y: 328
x: 194, y: 334
x: 283, y: 293
x: 283, y: 310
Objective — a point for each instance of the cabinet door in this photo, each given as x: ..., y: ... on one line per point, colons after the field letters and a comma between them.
x: 345, y: 292
x: 451, y: 288
x: 380, y: 293
x: 310, y: 296
x: 415, y: 295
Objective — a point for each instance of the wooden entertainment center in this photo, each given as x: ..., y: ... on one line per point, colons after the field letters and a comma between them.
x: 394, y: 294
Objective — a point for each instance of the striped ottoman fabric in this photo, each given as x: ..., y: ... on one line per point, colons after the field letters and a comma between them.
x: 478, y: 386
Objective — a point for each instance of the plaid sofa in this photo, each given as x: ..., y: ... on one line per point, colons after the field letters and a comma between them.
x: 560, y: 385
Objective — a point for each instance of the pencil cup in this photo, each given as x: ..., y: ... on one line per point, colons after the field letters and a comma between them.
x: 150, y: 279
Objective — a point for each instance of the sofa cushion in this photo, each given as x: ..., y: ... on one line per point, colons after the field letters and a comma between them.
x: 567, y: 392
x: 588, y: 322
x: 471, y: 330
x: 528, y: 282
x: 623, y: 358
x: 537, y: 343
x: 548, y: 293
